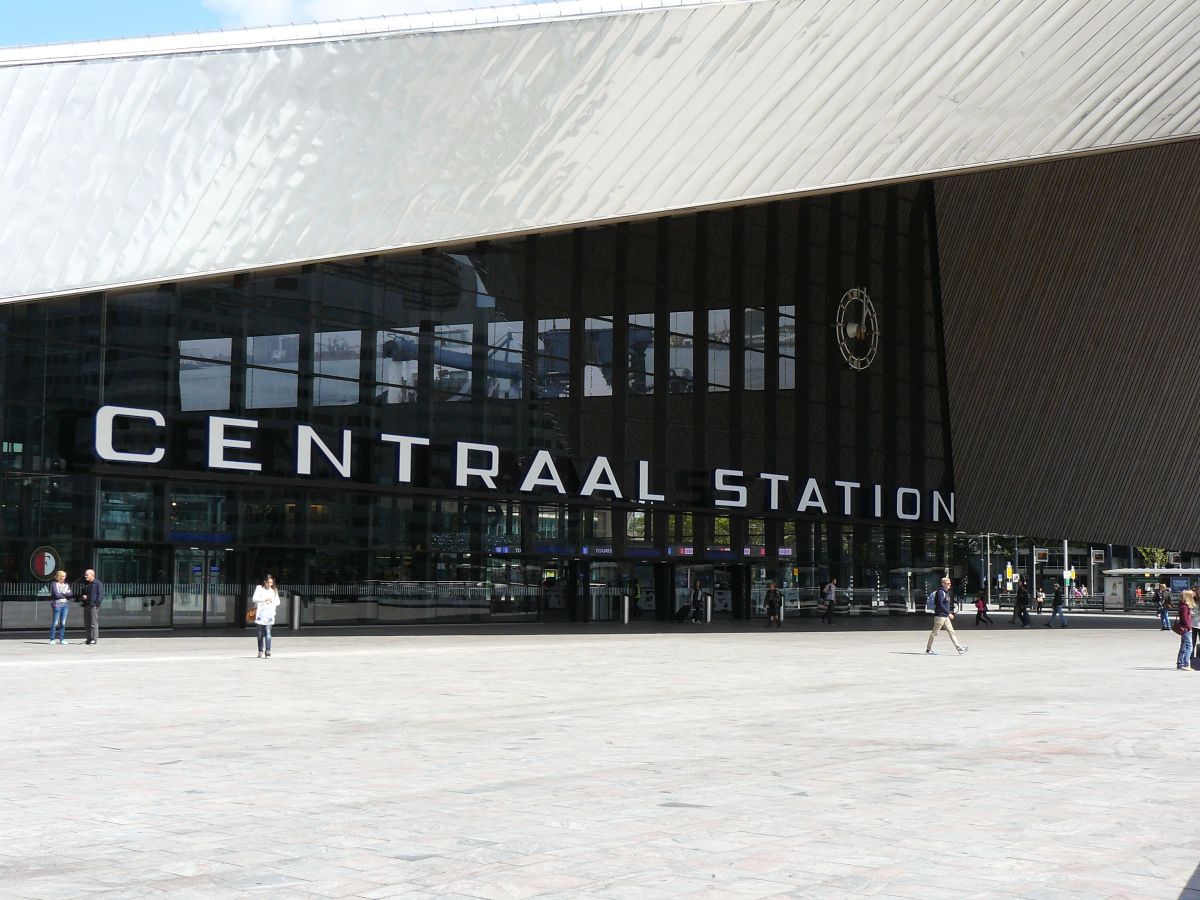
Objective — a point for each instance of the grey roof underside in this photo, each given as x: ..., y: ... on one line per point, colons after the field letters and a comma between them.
x: 134, y: 162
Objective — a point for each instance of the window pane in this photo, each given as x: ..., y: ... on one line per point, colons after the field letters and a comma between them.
x: 396, y: 366
x: 278, y: 351
x: 204, y: 373
x: 554, y: 373
x: 267, y: 388
x: 681, y: 377
x: 598, y: 358
x: 452, y: 362
x: 504, y: 372
x: 641, y: 353
x: 336, y: 353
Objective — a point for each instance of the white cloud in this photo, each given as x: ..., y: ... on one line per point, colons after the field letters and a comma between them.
x: 239, y: 13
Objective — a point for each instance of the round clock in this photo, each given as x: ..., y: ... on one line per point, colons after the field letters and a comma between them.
x: 857, y: 328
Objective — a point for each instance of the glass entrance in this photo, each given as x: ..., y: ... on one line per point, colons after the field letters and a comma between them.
x: 206, y: 587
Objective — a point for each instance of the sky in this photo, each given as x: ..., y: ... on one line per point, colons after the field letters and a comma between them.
x: 55, y: 21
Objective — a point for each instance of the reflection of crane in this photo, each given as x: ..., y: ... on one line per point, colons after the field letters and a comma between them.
x: 598, y: 351
x: 553, y: 368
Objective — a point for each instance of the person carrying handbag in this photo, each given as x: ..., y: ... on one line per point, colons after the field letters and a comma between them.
x: 1183, y: 628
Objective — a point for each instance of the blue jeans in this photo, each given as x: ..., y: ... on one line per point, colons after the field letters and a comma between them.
x: 1164, y: 617
x: 264, y: 637
x: 1185, y: 651
x: 58, y: 622
x: 1058, y: 614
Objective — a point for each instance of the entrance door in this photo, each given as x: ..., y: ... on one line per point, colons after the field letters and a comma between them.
x: 206, y: 587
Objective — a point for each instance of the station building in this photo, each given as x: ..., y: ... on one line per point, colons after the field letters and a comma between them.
x: 504, y: 315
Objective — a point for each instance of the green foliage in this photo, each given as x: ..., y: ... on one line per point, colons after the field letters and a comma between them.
x: 1153, y: 557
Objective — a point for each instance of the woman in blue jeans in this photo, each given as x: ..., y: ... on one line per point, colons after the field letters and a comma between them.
x: 266, y: 601
x: 1183, y: 627
x: 60, y: 604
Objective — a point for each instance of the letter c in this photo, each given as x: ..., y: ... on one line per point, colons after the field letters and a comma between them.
x: 105, y: 417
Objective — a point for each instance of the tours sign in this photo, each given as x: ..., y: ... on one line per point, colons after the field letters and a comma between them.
x: 230, y: 447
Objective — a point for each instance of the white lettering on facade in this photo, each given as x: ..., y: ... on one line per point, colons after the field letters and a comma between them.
x: 218, y: 443
x: 812, y: 498
x: 774, y: 480
x: 915, y: 496
x: 542, y: 473
x: 739, y: 492
x: 939, y: 501
x: 600, y: 469
x: 644, y: 494
x: 306, y: 437
x: 103, y: 443
x: 482, y: 461
x: 847, y: 488
x: 463, y: 470
x: 404, y: 443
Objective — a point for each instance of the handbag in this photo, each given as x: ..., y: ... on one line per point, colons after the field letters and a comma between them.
x: 251, y: 614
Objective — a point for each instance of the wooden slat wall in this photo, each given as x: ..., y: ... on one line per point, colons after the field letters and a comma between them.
x: 1071, y: 299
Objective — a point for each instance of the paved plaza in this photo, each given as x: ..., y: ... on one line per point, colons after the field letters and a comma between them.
x: 687, y: 762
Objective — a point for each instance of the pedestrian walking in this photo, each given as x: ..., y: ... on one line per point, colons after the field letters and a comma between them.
x: 829, y: 596
x: 266, y: 601
x: 773, y: 601
x: 981, y: 610
x: 1162, y: 600
x: 943, y: 614
x: 1021, y: 607
x: 697, y: 603
x: 60, y: 604
x: 91, y: 595
x: 1183, y: 627
x: 1057, y: 613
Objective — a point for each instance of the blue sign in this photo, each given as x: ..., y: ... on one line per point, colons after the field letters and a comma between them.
x: 1179, y: 584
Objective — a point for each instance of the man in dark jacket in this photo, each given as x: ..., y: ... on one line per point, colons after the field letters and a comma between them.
x: 943, y: 613
x: 92, y: 596
x: 1021, y: 606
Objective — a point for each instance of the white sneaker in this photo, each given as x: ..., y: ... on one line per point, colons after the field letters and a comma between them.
x: 64, y: 643
x: 962, y: 650
x: 931, y: 653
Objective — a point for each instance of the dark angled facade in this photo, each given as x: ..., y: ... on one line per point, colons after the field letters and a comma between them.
x: 676, y: 350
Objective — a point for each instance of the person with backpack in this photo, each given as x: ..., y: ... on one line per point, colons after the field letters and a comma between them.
x: 829, y: 596
x: 943, y: 613
x: 981, y: 612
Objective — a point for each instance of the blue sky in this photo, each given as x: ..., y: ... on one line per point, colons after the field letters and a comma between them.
x: 54, y: 21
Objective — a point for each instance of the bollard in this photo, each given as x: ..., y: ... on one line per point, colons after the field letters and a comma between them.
x: 624, y: 609
x: 295, y: 612
x: 708, y: 608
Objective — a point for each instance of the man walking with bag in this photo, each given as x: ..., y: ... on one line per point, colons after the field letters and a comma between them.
x: 943, y: 612
x: 91, y: 596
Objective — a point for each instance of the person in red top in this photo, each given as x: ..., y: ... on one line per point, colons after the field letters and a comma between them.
x: 1183, y: 627
x: 981, y: 610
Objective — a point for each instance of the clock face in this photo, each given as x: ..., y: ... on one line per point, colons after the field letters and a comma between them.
x: 857, y: 328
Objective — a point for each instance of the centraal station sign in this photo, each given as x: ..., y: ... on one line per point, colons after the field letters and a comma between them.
x: 229, y: 446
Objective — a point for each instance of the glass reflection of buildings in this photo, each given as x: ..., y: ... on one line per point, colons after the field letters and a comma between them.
x: 695, y: 342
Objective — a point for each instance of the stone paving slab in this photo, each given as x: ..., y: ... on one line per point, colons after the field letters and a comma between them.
x: 683, y: 763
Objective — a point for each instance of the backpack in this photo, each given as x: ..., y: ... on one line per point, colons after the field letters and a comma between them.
x: 931, y: 600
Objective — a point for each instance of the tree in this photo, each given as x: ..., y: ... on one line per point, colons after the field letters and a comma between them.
x: 1153, y: 557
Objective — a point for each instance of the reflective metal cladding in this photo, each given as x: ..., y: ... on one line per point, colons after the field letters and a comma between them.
x: 151, y: 161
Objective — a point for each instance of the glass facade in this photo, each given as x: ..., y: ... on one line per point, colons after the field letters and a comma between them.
x: 512, y: 431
